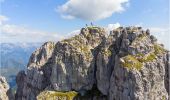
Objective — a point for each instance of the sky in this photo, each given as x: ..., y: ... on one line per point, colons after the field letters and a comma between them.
x: 53, y: 20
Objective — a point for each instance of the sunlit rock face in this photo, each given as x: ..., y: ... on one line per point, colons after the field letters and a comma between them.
x: 5, y: 91
x: 127, y: 64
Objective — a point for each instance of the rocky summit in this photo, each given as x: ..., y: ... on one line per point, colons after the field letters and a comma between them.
x: 126, y: 64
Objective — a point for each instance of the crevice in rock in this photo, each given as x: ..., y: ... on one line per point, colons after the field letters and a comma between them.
x: 167, y: 73
x: 91, y: 94
x: 95, y: 53
x: 95, y: 69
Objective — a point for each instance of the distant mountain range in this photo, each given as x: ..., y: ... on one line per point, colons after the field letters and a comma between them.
x: 14, y: 57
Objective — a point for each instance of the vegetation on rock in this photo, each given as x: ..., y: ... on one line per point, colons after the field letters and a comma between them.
x: 158, y: 49
x: 106, y: 52
x: 54, y: 95
x: 131, y: 62
x: 89, y: 64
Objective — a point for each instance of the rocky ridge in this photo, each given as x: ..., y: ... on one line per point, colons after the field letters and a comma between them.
x: 127, y: 64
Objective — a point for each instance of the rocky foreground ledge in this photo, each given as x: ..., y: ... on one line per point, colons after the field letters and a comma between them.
x: 127, y: 64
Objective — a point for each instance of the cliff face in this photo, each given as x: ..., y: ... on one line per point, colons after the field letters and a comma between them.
x: 127, y: 64
x: 5, y: 91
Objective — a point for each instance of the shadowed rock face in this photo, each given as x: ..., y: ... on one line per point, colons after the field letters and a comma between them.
x: 127, y: 64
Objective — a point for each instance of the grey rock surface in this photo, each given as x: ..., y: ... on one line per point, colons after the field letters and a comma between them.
x: 5, y: 91
x: 127, y: 64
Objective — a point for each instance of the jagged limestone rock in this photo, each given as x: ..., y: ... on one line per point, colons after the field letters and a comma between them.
x: 104, y: 64
x: 41, y: 55
x: 5, y: 91
x: 21, y: 84
x: 73, y: 66
x: 127, y: 64
x: 140, y: 75
x: 33, y: 81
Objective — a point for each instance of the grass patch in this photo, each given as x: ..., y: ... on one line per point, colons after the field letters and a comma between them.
x: 163, y: 97
x: 53, y: 95
x: 131, y: 62
x: 148, y: 58
x: 106, y: 52
x: 137, y: 61
x: 93, y: 27
x: 158, y: 49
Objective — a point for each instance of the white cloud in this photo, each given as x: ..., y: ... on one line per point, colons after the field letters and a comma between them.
x: 162, y: 34
x: 67, y: 17
x: 113, y: 26
x: 11, y: 33
x: 91, y: 9
x: 3, y: 19
x: 75, y: 32
x: 15, y: 33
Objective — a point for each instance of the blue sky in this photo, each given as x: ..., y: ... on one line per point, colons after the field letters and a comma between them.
x: 52, y: 19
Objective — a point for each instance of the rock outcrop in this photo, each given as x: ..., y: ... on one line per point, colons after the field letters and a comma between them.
x: 127, y: 64
x: 5, y: 91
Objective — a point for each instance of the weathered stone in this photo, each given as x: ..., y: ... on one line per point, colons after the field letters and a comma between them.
x: 5, y: 91
x: 153, y: 39
x: 144, y: 82
x: 21, y: 83
x: 126, y: 65
x: 147, y: 32
x: 104, y: 65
